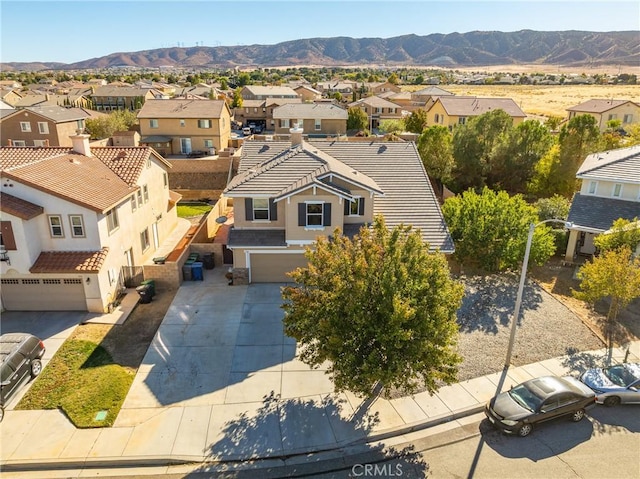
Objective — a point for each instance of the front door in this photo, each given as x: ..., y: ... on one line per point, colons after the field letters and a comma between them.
x: 185, y: 146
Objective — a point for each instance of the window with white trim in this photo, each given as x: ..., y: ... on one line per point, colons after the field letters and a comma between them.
x: 318, y: 124
x: 593, y: 187
x: 25, y: 126
x: 77, y: 226
x: 55, y: 226
x: 144, y: 240
x: 260, y: 209
x: 617, y: 190
x: 43, y: 127
x: 204, y: 123
x: 153, y: 123
x: 627, y: 119
x: 165, y: 179
x: 284, y: 123
x: 139, y: 196
x: 314, y: 214
x: 112, y: 220
x: 183, y: 123
x: 134, y: 204
x: 208, y: 143
x: 462, y: 120
x: 145, y: 193
x: 39, y: 143
x: 356, y: 207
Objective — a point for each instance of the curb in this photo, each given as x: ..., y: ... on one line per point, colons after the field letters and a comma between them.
x: 335, y: 454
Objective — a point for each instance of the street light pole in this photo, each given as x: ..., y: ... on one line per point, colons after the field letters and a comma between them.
x: 523, y: 274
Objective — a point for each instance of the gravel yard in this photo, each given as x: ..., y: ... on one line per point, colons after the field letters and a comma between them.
x: 546, y: 329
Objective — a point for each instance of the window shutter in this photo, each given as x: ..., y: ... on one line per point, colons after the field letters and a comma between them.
x: 361, y: 207
x: 273, y: 210
x: 8, y: 239
x: 326, y: 215
x: 302, y: 214
x: 248, y: 209
x: 347, y: 207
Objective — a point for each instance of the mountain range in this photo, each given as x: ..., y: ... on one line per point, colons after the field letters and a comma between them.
x: 478, y: 48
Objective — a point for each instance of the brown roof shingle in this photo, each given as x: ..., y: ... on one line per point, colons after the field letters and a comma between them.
x: 70, y: 261
x: 19, y: 207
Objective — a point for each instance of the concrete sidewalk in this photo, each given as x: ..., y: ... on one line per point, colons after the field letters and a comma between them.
x: 222, y: 383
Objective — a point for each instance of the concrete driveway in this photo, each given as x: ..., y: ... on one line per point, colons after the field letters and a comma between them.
x: 53, y: 327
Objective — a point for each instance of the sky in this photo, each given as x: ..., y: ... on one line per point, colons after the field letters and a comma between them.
x: 71, y: 31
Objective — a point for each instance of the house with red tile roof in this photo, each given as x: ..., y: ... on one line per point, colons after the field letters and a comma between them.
x: 73, y: 217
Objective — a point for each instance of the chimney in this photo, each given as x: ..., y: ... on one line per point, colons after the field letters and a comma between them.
x: 296, y: 135
x: 81, y: 143
x: 10, y: 142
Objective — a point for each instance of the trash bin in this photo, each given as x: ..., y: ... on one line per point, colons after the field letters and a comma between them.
x: 208, y: 261
x: 152, y: 285
x: 194, y: 257
x: 196, y: 271
x: 145, y: 293
x: 186, y: 272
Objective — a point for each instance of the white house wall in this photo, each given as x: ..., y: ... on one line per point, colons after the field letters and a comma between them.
x: 604, y: 189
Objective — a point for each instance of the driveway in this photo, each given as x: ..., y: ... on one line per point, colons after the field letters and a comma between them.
x: 53, y: 327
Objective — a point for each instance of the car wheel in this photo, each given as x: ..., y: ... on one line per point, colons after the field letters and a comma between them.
x: 36, y: 368
x: 612, y: 401
x: 577, y: 415
x: 1, y: 413
x: 525, y: 430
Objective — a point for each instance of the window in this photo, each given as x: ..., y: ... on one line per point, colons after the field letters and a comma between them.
x: 112, y: 219
x: 55, y: 226
x: 153, y: 123
x: 182, y: 123
x: 612, y: 116
x: 80, y: 124
x: 318, y: 124
x: 18, y: 143
x: 145, y: 192
x: 593, y: 186
x: 39, y: 143
x: 260, y: 209
x: 144, y: 240
x: 134, y: 205
x: 25, y: 126
x: 204, y: 123
x: 354, y: 208
x: 77, y: 226
x: 462, y: 120
x: 617, y: 190
x: 314, y: 214
x: 208, y: 143
x: 43, y: 127
x: 139, y: 195
x: 284, y: 123
x: 165, y: 179
x: 436, y: 119
x: 627, y: 119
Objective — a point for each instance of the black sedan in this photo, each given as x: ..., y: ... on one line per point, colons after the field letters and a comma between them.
x: 518, y: 410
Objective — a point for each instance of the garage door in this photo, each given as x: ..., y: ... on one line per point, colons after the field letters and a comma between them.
x: 272, y: 268
x: 43, y: 294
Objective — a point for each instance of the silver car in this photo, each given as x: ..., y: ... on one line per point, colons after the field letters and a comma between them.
x: 619, y: 384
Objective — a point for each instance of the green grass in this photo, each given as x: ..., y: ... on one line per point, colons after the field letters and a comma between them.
x: 81, y: 379
x: 188, y: 211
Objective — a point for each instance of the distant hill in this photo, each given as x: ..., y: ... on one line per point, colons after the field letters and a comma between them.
x: 567, y: 48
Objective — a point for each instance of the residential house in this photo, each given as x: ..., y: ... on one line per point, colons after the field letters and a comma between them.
x: 108, y: 98
x: 10, y: 96
x: 426, y: 95
x: 382, y: 87
x: 286, y: 194
x: 450, y: 111
x: 72, y: 218
x: 378, y: 109
x: 180, y: 126
x: 610, y: 190
x: 628, y: 112
x: 41, y: 126
x: 345, y: 88
x: 319, y: 119
x: 258, y: 92
x: 308, y: 93
x: 260, y: 112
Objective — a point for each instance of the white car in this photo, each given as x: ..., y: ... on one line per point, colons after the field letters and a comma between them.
x: 618, y: 384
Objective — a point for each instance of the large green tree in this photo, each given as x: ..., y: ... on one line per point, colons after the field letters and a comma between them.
x: 379, y: 307
x: 490, y: 230
x: 417, y: 121
x: 357, y: 119
x: 106, y: 126
x: 622, y: 233
x: 434, y: 146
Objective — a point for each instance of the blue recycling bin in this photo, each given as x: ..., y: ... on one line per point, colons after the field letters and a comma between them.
x: 197, y: 273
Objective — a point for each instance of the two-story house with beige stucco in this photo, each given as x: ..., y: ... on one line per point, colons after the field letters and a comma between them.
x: 610, y: 190
x: 605, y: 110
x: 72, y: 218
x: 318, y: 119
x: 41, y: 126
x: 179, y: 127
x: 286, y: 194
x: 378, y: 110
x: 451, y: 111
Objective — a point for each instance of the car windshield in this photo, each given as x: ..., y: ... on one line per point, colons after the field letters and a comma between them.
x: 619, y: 375
x: 525, y: 397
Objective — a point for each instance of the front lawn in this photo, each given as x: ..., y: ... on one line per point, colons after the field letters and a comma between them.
x: 82, y: 380
x: 191, y: 210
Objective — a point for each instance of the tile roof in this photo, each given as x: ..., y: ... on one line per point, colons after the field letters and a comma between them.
x: 98, y: 182
x: 432, y: 91
x: 58, y: 114
x: 622, y: 165
x: 182, y: 109
x: 70, y: 261
x: 598, y: 105
x: 599, y: 213
x: 320, y: 111
x: 375, y: 101
x: 18, y: 207
x: 471, y: 106
x: 396, y: 169
x: 121, y: 91
x: 271, y: 90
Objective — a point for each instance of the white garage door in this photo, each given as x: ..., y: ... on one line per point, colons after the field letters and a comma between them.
x: 43, y: 294
x: 273, y: 268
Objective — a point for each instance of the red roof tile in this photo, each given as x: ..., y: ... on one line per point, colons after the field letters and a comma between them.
x: 70, y: 261
x: 18, y: 207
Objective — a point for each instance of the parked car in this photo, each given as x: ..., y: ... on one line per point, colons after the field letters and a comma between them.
x: 20, y: 360
x: 246, y: 131
x: 619, y: 384
x: 526, y: 405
